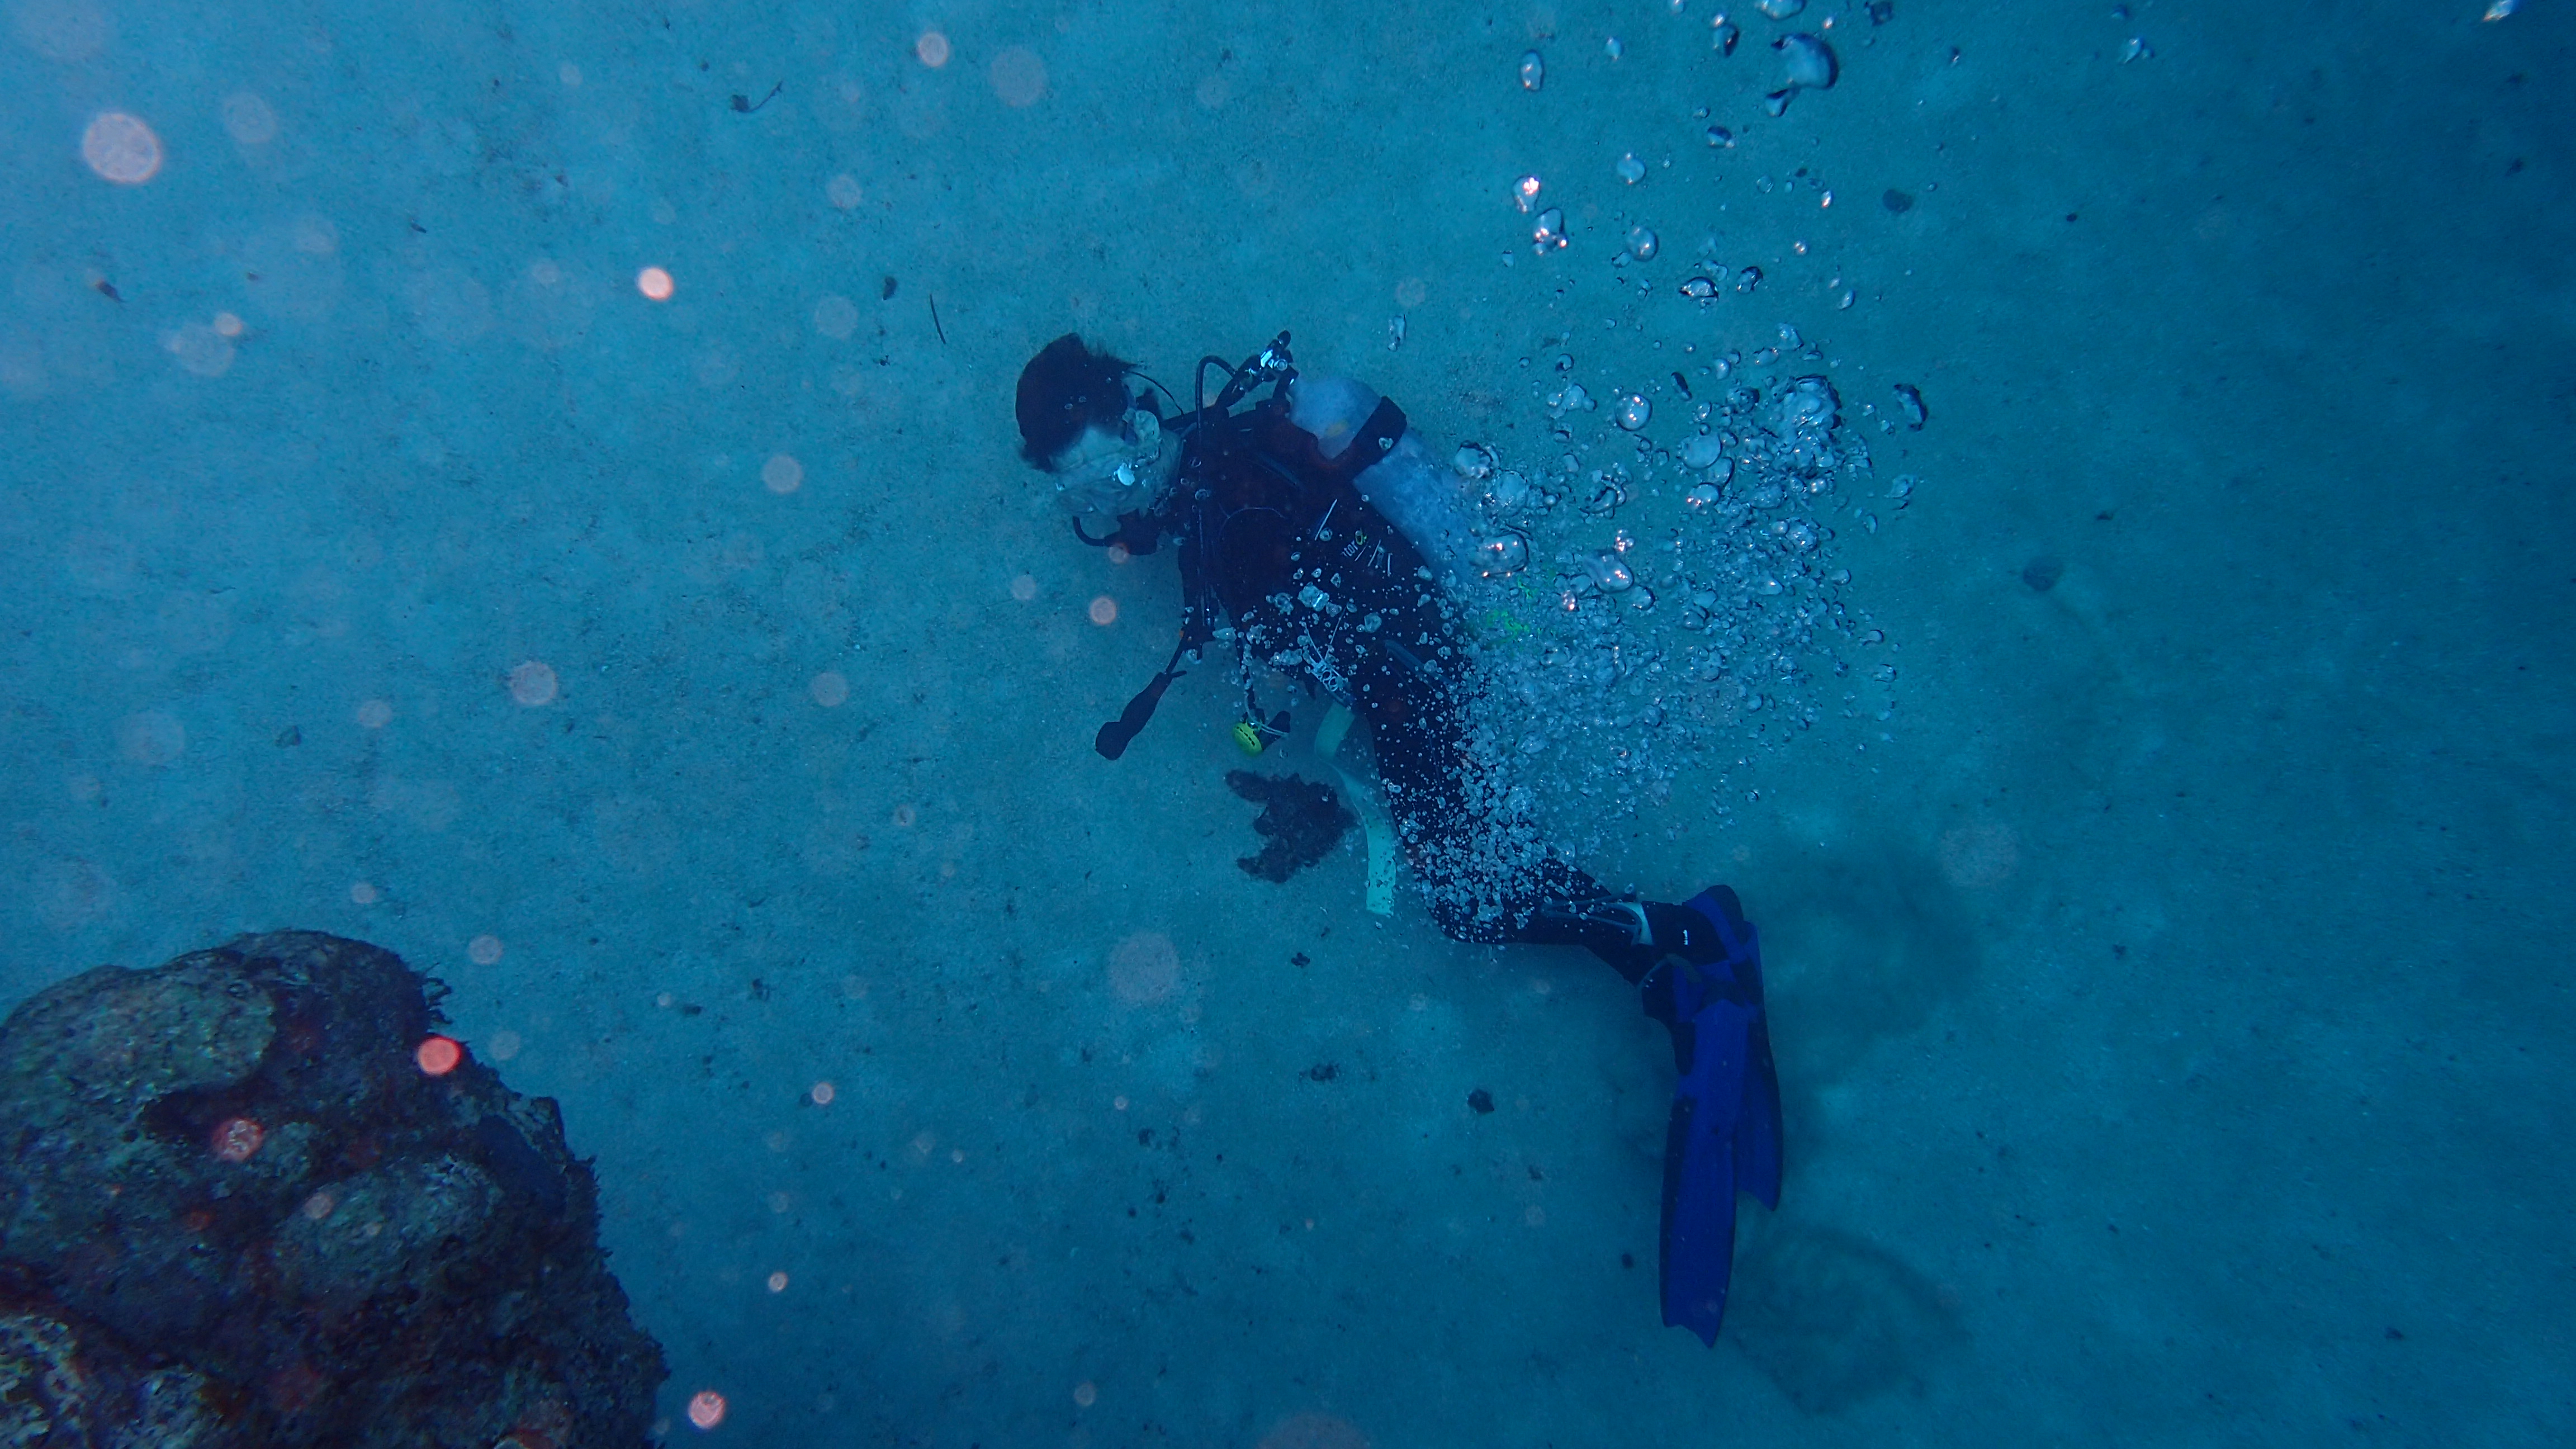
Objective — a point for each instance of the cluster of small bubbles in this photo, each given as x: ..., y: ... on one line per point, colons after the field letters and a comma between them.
x: 1655, y: 605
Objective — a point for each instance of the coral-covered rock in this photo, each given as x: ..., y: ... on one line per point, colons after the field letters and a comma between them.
x: 237, y: 1209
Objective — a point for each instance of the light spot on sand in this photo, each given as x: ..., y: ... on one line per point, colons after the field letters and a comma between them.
x: 151, y: 738
x: 534, y: 683
x: 1019, y: 77
x: 1314, y: 1431
x: 1144, y: 968
x: 100, y: 562
x: 72, y: 893
x: 248, y: 119
x: 836, y: 317
x: 1976, y: 856
x: 199, y: 348
x: 120, y: 148
x: 63, y: 30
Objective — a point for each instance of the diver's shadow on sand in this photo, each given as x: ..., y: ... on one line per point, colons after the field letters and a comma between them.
x: 1859, y: 948
x: 1832, y: 1318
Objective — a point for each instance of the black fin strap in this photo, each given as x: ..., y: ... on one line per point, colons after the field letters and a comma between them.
x: 1371, y: 442
x: 1298, y: 455
x: 1378, y: 437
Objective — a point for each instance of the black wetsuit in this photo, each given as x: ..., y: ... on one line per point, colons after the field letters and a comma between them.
x: 1276, y: 541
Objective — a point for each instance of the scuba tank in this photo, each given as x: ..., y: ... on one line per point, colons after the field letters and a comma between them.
x: 1407, y: 484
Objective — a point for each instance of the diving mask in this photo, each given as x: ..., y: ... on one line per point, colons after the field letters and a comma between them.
x: 1108, y: 474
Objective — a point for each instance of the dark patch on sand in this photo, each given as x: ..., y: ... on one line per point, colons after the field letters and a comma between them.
x: 1299, y: 821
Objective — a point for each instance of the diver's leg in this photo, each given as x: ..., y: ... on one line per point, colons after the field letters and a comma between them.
x: 1699, y: 964
x: 1700, y: 968
x: 1474, y: 891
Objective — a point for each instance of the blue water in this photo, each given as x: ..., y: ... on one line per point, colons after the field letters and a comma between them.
x: 2170, y: 989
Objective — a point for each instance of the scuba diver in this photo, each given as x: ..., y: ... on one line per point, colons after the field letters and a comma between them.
x: 1315, y: 538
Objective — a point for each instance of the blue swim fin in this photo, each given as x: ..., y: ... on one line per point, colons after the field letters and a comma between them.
x: 1724, y: 1136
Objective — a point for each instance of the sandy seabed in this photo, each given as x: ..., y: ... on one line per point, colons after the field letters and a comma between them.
x: 534, y: 488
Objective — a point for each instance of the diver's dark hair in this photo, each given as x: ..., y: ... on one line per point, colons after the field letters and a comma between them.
x: 1066, y: 388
